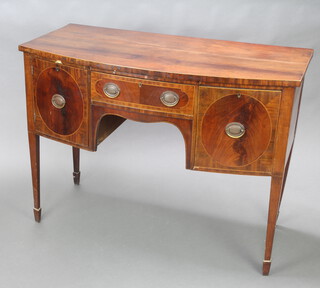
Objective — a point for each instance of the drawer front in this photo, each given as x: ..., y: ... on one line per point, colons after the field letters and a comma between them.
x: 143, y: 94
x: 61, y: 104
x: 236, y: 129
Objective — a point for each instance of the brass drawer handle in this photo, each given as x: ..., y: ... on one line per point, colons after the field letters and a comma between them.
x: 235, y: 130
x: 169, y: 98
x: 111, y: 90
x: 58, y: 64
x: 58, y: 101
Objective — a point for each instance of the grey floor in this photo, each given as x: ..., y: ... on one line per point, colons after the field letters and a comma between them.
x: 139, y: 219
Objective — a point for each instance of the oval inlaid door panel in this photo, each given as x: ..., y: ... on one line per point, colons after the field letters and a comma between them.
x: 236, y: 130
x: 59, y: 101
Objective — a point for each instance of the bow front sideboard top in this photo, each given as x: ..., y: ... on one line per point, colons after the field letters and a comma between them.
x: 236, y: 104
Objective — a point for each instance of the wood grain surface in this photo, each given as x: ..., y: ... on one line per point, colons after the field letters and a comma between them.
x: 68, y: 125
x: 215, y: 151
x: 51, y: 82
x: 177, y: 57
x: 241, y: 151
x: 143, y: 94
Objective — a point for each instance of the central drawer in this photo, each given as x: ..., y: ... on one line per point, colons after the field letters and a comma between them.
x: 142, y: 94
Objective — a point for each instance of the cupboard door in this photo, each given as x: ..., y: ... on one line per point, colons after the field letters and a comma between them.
x: 61, y: 102
x: 236, y: 129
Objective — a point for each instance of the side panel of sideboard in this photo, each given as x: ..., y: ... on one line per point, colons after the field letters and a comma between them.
x: 294, y: 120
x: 28, y: 70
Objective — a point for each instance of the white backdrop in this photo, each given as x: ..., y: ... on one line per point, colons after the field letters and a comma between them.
x: 139, y: 219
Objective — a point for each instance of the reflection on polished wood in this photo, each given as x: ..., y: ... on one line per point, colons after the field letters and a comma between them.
x: 236, y: 104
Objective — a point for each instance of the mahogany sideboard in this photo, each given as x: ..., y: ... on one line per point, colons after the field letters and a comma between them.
x: 236, y: 104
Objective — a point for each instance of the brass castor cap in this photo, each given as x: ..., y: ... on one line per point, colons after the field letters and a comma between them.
x: 76, y: 178
x: 37, y: 214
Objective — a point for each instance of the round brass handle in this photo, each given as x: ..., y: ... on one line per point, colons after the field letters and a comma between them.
x: 169, y: 98
x: 58, y: 101
x: 235, y: 130
x: 111, y: 90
